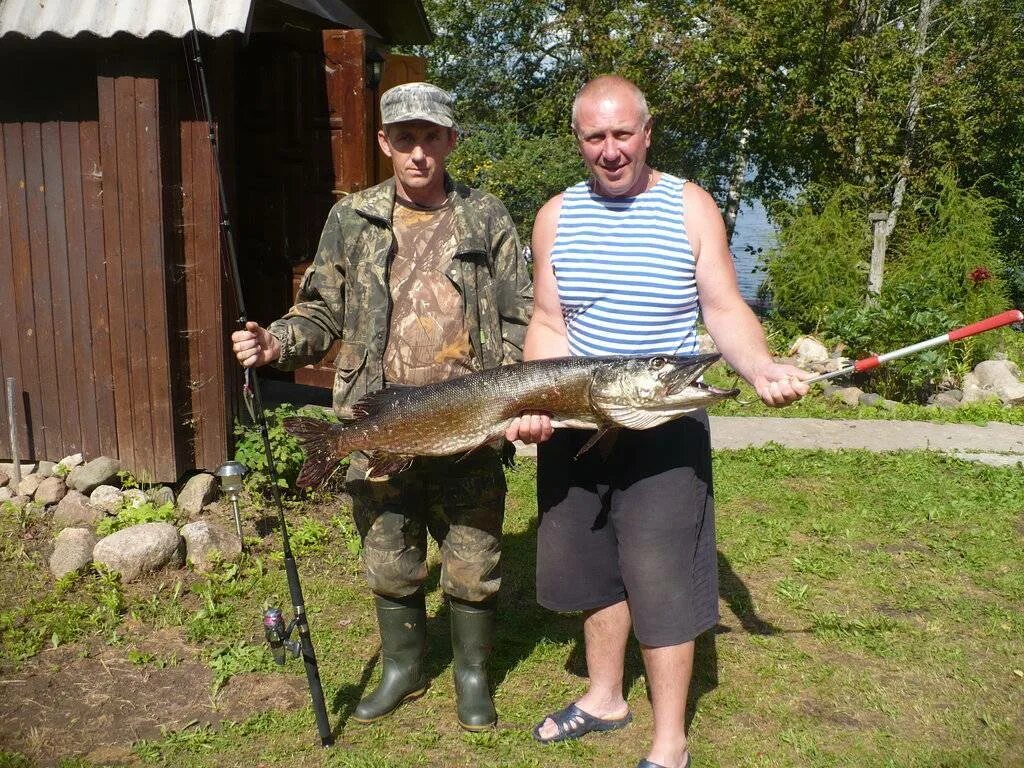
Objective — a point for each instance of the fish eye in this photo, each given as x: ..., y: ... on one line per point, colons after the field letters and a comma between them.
x: 657, y: 362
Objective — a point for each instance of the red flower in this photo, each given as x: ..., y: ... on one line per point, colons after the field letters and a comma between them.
x: 979, y: 275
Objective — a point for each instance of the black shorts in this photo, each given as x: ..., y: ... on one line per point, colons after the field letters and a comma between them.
x: 637, y: 524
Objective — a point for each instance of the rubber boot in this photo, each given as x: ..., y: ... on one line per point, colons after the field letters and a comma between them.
x: 403, y: 638
x: 472, y: 640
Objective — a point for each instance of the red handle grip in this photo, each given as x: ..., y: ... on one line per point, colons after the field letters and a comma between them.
x: 996, y: 321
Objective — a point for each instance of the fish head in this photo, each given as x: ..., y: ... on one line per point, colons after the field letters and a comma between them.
x: 643, y: 392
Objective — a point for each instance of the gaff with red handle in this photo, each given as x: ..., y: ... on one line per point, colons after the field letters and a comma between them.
x: 867, y: 363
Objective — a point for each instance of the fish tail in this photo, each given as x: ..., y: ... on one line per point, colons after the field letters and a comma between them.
x: 319, y: 438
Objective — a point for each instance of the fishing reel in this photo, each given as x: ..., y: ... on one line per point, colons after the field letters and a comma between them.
x: 279, y: 636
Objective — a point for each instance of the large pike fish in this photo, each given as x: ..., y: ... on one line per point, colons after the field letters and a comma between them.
x: 394, y: 425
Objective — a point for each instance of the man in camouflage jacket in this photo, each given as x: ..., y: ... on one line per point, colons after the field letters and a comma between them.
x: 420, y: 279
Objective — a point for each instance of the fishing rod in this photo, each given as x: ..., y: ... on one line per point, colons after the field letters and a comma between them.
x: 868, y: 363
x: 277, y: 634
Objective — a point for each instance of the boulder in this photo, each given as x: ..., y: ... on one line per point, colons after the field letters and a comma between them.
x: 949, y: 398
x: 6, y: 493
x: 29, y: 484
x: 1002, y: 378
x: 808, y: 350
x: 133, y: 498
x: 100, y: 471
x: 4, y: 478
x: 871, y: 400
x: 70, y: 462
x: 160, y: 495
x: 848, y: 395
x: 974, y: 392
x: 203, y: 540
x: 72, y: 551
x: 705, y: 344
x: 50, y: 491
x: 74, y: 511
x: 199, y: 491
x: 45, y: 469
x: 19, y: 502
x: 140, y: 549
x: 106, y: 498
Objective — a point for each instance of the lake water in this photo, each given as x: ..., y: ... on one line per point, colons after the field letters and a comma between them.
x: 754, y: 230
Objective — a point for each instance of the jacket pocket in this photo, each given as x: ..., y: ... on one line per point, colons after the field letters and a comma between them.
x: 350, y: 360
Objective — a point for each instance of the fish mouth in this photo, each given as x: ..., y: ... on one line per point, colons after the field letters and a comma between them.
x: 716, y: 392
x: 688, y: 371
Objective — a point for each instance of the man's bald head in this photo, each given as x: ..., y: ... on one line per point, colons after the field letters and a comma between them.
x: 605, y: 86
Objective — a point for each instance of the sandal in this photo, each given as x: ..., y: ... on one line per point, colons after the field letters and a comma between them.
x: 572, y: 722
x: 645, y: 763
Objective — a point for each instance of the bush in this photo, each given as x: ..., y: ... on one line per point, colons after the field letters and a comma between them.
x: 946, y: 275
x: 287, y: 451
x: 820, y: 265
x: 129, y: 516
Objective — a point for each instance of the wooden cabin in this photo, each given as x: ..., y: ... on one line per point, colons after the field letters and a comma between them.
x: 116, y: 300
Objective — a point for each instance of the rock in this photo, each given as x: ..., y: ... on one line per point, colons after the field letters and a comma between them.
x: 5, y: 493
x: 100, y: 471
x: 140, y: 549
x: 133, y: 498
x: 29, y: 484
x: 72, y: 551
x: 1002, y: 378
x: 870, y: 399
x: 50, y: 491
x: 160, y: 496
x: 199, y: 491
x: 45, y: 469
x: 70, y: 462
x: 849, y: 395
x: 974, y: 392
x: 203, y: 540
x: 705, y: 344
x: 949, y: 398
x: 74, y: 511
x: 807, y: 350
x: 106, y: 498
x: 890, y: 405
x: 4, y: 478
x: 19, y: 502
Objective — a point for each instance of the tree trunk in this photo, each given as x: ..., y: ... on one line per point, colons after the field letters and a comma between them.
x: 739, y: 175
x: 910, y: 126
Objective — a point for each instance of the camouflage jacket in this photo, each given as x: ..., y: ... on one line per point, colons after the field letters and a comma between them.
x: 344, y: 294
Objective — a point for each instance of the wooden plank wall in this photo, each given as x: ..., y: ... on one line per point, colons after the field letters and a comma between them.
x: 50, y: 247
x: 82, y: 260
x: 208, y: 303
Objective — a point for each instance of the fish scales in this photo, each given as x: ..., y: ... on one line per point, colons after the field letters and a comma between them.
x: 449, y: 417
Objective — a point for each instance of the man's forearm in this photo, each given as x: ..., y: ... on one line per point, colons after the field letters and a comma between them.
x: 740, y: 338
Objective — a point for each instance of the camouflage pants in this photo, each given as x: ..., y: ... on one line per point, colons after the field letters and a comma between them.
x: 460, y: 502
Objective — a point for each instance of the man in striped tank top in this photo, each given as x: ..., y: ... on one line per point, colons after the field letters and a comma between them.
x: 623, y: 263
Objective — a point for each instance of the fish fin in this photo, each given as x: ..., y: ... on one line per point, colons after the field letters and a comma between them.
x: 383, y: 463
x: 318, y: 438
x: 505, y: 450
x: 611, y: 430
x: 633, y: 418
x: 375, y: 402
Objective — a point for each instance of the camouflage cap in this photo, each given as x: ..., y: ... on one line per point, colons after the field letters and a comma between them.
x: 417, y: 101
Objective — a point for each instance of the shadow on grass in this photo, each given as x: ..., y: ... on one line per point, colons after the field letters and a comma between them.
x: 522, y: 625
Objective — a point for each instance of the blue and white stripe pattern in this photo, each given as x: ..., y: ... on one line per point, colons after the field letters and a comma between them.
x: 625, y: 272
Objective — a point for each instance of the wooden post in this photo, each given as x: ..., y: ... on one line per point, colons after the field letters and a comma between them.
x: 15, y: 461
x: 878, y: 220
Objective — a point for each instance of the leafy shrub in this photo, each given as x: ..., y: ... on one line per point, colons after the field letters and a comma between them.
x: 130, y: 515
x: 945, y: 276
x: 286, y: 449
x: 821, y: 262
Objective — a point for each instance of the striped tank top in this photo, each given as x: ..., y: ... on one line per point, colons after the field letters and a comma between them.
x: 625, y: 272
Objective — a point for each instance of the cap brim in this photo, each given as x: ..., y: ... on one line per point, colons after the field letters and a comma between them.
x: 436, y: 119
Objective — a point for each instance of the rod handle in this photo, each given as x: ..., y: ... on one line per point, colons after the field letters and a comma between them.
x: 996, y: 321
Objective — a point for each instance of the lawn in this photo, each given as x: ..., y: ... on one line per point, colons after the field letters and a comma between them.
x: 872, y: 614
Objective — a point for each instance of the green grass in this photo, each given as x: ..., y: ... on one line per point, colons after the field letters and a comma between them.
x: 872, y: 614
x: 817, y: 406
